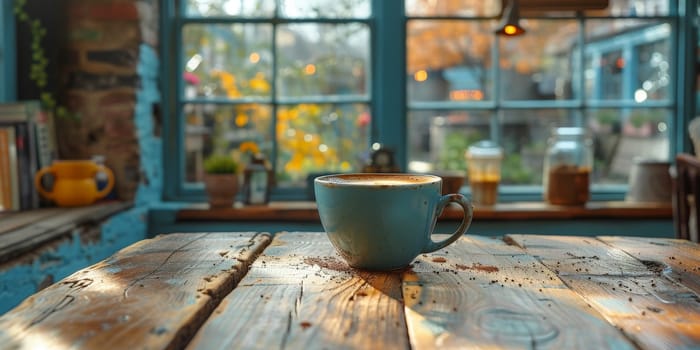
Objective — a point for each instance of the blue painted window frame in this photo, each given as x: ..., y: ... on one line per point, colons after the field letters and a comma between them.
x: 388, y: 32
x: 7, y: 52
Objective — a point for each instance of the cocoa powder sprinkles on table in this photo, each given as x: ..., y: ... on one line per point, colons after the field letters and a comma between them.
x: 477, y: 266
x: 330, y: 263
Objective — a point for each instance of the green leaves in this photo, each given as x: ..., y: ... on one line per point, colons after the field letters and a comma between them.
x: 220, y: 164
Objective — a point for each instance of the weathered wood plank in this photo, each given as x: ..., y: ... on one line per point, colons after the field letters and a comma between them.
x: 10, y: 221
x: 675, y: 259
x: 301, y: 295
x: 151, y: 295
x: 583, y: 255
x: 655, y: 312
x: 28, y: 237
x: 481, y: 293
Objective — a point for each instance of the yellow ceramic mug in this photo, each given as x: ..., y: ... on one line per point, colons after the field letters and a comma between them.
x: 74, y: 182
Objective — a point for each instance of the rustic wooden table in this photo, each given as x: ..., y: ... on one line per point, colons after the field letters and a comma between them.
x: 247, y: 290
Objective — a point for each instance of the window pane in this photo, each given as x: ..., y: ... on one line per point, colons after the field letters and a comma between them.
x: 325, y: 8
x: 317, y: 138
x: 524, y: 134
x: 464, y: 8
x: 604, y: 82
x: 449, y: 60
x: 322, y: 59
x: 631, y: 65
x: 227, y: 61
x: 437, y: 139
x: 635, y: 8
x: 248, y: 8
x: 621, y: 135
x: 653, y: 76
x: 538, y: 65
x: 221, y: 129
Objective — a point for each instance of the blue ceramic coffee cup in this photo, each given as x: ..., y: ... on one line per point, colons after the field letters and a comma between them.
x: 383, y: 221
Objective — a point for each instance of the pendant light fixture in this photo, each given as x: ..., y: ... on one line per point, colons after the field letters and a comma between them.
x: 510, y: 20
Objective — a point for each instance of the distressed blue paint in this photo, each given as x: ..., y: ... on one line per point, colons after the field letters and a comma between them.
x: 149, y: 191
x: 8, y: 49
x: 119, y: 231
x: 162, y: 220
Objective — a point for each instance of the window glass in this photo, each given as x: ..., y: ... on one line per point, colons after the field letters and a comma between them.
x: 322, y: 59
x: 622, y: 134
x: 293, y: 78
x: 438, y: 139
x: 227, y: 61
x: 449, y: 60
x: 324, y: 8
x: 538, y: 65
x: 464, y: 8
x: 524, y: 140
x: 633, y: 64
x: 224, y: 129
x: 641, y: 8
x: 239, y: 8
x: 653, y: 73
x: 318, y: 138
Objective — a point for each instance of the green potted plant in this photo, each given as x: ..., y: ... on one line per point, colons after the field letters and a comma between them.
x: 221, y: 180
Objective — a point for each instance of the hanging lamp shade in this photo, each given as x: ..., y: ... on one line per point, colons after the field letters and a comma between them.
x: 510, y: 21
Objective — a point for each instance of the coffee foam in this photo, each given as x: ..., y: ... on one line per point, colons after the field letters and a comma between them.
x: 378, y: 179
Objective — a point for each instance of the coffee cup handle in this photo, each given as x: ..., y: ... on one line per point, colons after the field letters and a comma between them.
x: 466, y: 220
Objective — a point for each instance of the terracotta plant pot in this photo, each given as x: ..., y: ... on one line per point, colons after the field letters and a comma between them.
x: 221, y: 189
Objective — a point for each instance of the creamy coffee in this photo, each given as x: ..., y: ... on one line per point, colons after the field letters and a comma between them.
x: 377, y: 179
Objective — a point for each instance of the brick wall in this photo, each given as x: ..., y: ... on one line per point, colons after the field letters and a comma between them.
x: 101, y: 77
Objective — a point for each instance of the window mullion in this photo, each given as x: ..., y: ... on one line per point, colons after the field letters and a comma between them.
x: 389, y: 77
x: 273, y: 93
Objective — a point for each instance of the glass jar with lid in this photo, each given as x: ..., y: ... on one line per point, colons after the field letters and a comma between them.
x: 567, y: 167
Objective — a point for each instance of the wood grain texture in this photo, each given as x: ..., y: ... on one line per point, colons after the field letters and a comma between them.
x: 12, y: 221
x: 46, y: 228
x: 301, y: 295
x: 151, y: 295
x: 568, y: 255
x: 675, y: 259
x: 657, y: 313
x: 480, y: 293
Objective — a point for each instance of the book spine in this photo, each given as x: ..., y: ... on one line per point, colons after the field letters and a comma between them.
x: 14, y: 174
x: 46, y: 148
x: 27, y: 165
x: 24, y: 166
x: 5, y: 169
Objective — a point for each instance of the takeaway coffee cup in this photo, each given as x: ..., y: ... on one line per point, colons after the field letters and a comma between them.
x: 383, y: 221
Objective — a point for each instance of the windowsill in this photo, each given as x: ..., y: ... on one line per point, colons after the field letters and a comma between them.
x: 25, y: 231
x: 306, y: 212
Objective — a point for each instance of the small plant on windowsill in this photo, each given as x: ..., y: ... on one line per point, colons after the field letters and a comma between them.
x: 39, y: 63
x: 221, y: 180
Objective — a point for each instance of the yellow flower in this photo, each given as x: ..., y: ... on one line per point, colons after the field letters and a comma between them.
x: 241, y: 119
x: 259, y: 83
x: 249, y: 146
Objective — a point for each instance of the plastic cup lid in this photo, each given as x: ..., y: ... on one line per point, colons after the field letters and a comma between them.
x: 485, y: 149
x: 570, y: 131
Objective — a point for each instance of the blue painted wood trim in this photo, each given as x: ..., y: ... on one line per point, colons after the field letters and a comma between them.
x: 389, y: 77
x: 164, y: 221
x: 171, y: 144
x: 8, y: 52
x: 685, y: 89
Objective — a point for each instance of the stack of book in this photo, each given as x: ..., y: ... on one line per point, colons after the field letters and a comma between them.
x: 27, y: 143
